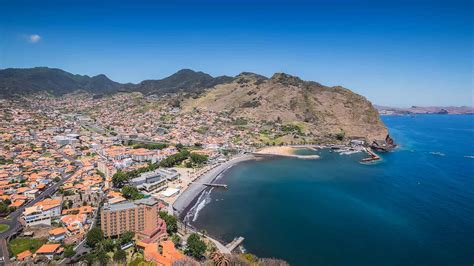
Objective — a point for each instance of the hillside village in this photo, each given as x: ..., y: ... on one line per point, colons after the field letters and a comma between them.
x: 93, y: 180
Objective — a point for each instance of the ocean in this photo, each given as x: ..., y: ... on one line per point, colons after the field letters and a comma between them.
x: 414, y: 207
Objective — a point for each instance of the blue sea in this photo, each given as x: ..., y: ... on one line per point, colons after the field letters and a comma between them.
x: 414, y: 207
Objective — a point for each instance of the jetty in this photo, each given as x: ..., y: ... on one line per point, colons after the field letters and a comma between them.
x: 373, y: 156
x: 235, y: 243
x: 211, y: 185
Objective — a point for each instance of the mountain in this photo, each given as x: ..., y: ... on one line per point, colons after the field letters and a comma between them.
x: 385, y: 110
x: 185, y: 80
x: 321, y: 111
x: 27, y: 81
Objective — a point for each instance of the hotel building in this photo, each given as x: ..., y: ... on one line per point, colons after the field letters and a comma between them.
x: 138, y: 216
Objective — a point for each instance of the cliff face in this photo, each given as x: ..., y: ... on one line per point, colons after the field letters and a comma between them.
x: 322, y: 111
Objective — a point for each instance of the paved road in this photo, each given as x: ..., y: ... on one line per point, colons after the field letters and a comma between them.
x: 13, y: 219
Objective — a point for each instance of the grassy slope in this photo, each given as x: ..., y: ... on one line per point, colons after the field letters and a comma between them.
x: 21, y: 244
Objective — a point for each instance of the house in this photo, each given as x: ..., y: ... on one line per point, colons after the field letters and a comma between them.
x: 42, y: 212
x: 23, y: 255
x: 57, y: 234
x: 163, y: 253
x: 31, y: 194
x: 74, y: 222
x: 49, y: 250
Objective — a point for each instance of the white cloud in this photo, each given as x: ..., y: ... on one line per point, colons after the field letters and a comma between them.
x: 34, y: 38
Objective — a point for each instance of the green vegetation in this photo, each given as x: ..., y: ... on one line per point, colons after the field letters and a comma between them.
x: 291, y: 128
x: 4, y: 209
x: 340, y: 135
x: 240, y: 121
x: 5, y: 161
x: 4, y: 227
x: 93, y: 237
x: 176, y: 240
x: 69, y: 251
x: 175, y: 159
x: 131, y: 193
x: 201, y: 130
x: 151, y: 146
x: 126, y: 238
x: 140, y: 262
x: 120, y: 256
x: 120, y: 178
x: 195, y: 246
x: 21, y: 244
x: 171, y: 222
x: 197, y: 158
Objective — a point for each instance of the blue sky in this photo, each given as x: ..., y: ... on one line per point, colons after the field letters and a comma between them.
x: 398, y: 53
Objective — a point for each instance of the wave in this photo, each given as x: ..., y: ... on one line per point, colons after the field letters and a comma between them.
x: 437, y: 153
x: 201, y: 202
x: 469, y: 156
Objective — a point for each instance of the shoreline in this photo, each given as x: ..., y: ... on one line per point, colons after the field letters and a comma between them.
x: 185, y: 199
x: 286, y: 151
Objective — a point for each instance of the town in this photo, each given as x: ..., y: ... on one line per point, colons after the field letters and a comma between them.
x: 94, y: 180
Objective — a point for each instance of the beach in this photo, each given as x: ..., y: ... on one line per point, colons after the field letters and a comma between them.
x: 194, y: 189
x: 287, y: 151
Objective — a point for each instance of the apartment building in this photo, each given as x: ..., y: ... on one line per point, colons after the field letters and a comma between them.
x: 134, y: 216
x: 42, y: 212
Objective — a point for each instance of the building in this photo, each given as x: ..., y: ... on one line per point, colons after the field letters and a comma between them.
x: 42, y: 212
x: 49, y: 250
x: 150, y: 181
x: 25, y: 255
x: 163, y: 253
x: 57, y: 234
x: 137, y: 216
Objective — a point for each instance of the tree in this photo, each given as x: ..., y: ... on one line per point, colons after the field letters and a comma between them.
x: 69, y: 251
x: 89, y: 258
x: 198, y: 158
x: 195, y: 246
x: 3, y: 207
x: 176, y: 240
x: 126, y: 237
x: 132, y: 193
x: 340, y: 135
x: 102, y: 257
x: 120, y: 255
x: 107, y: 244
x: 94, y: 236
x: 179, y: 146
x: 171, y: 222
x: 119, y: 179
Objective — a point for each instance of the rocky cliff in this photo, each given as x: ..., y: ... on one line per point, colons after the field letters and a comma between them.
x: 320, y: 111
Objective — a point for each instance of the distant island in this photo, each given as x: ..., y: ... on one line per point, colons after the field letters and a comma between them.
x: 444, y: 110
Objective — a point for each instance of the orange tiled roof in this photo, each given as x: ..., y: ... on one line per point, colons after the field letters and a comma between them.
x: 57, y: 231
x: 48, y: 203
x: 23, y: 255
x: 48, y: 248
x: 166, y: 257
x: 17, y: 203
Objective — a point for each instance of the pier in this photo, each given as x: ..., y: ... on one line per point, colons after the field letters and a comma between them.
x: 373, y: 156
x: 235, y: 243
x: 211, y: 185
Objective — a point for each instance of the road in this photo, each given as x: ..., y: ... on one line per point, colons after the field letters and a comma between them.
x: 13, y: 219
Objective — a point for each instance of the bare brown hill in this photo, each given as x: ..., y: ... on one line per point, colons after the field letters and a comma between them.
x: 322, y: 112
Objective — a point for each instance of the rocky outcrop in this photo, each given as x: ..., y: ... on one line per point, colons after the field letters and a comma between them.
x: 323, y: 112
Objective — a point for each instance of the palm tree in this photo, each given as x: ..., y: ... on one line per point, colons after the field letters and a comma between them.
x: 220, y: 259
